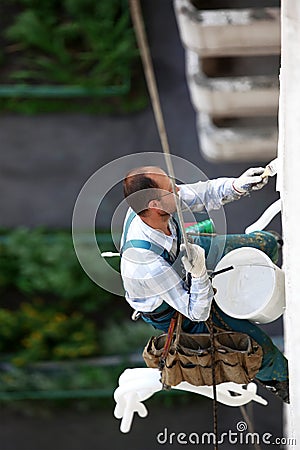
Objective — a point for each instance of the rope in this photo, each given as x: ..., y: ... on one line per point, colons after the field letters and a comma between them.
x: 243, y: 410
x: 213, y: 371
x: 250, y: 424
x: 138, y: 23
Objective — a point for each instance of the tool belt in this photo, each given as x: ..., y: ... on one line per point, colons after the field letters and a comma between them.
x: 189, y: 357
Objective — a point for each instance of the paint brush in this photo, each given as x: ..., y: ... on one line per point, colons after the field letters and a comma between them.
x: 270, y: 169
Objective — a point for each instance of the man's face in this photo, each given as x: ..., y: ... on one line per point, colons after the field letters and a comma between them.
x: 166, y: 197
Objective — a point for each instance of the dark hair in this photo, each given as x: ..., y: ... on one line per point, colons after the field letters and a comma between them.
x: 139, y: 190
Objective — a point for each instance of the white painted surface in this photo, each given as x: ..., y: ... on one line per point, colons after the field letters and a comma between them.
x: 288, y: 184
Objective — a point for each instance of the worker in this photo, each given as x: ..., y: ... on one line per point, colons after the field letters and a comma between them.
x: 153, y: 259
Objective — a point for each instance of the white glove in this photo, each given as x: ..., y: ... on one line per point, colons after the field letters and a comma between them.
x: 195, y: 263
x: 251, y: 180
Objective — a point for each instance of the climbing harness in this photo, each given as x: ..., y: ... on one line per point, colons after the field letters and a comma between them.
x: 147, y: 245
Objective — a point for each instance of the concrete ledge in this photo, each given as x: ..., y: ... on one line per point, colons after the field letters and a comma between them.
x: 231, y: 96
x: 228, y: 31
x: 236, y: 143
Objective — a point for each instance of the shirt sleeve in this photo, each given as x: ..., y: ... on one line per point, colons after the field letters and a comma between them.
x: 211, y: 194
x: 147, y: 289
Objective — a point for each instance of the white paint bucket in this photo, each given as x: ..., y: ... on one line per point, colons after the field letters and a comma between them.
x: 253, y: 290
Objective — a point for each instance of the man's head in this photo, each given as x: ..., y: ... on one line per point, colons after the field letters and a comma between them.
x: 149, y: 187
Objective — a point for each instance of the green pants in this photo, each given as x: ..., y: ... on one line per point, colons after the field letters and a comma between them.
x: 217, y: 246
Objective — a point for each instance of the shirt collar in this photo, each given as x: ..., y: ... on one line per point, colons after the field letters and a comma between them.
x: 158, y: 237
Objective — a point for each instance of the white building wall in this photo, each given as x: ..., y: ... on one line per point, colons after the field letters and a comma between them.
x: 288, y: 183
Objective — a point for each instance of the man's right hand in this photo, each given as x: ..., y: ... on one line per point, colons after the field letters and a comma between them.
x: 251, y: 180
x: 195, y: 263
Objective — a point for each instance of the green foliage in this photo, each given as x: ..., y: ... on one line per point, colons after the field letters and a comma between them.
x: 127, y: 103
x: 8, y: 266
x: 54, y: 319
x: 50, y: 309
x: 36, y: 263
x: 79, y: 376
x: 72, y: 42
x: 125, y: 337
x: 36, y: 332
x: 9, y: 330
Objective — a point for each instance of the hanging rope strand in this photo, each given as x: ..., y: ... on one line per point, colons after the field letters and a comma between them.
x: 248, y: 421
x: 210, y: 326
x: 138, y: 24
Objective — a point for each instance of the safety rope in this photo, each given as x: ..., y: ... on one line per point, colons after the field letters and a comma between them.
x: 246, y: 416
x: 138, y: 23
x: 210, y: 326
x: 250, y: 425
